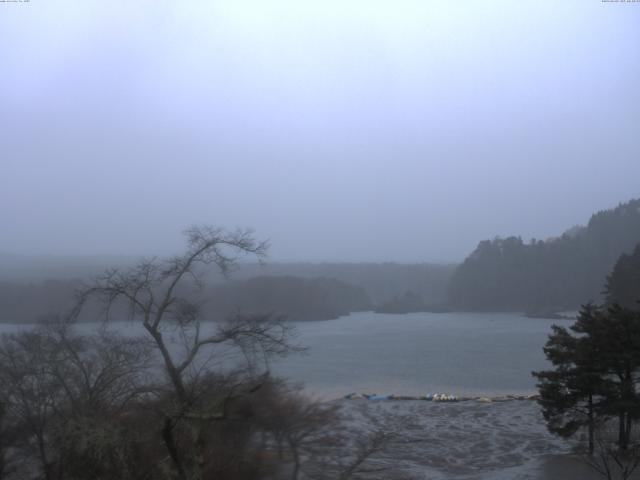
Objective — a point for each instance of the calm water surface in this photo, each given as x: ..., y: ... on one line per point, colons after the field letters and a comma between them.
x: 458, y: 353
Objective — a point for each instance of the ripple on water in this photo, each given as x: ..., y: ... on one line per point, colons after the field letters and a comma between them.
x: 458, y: 440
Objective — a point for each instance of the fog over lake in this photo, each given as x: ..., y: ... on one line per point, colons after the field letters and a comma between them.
x: 341, y: 130
x: 385, y: 181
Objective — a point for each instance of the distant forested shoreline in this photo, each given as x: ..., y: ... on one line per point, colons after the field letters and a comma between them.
x: 555, y: 274
x: 538, y: 277
x: 297, y: 291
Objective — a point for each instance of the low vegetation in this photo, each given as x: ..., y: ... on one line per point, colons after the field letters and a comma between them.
x: 164, y: 405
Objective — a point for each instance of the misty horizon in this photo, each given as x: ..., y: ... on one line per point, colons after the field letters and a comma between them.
x: 132, y: 256
x: 341, y: 131
x: 319, y: 240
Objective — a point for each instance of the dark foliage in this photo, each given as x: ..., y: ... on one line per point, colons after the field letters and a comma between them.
x: 556, y: 274
x: 623, y: 284
x: 410, y: 302
x: 596, y: 373
x: 381, y: 281
x: 68, y: 403
x: 295, y: 298
x: 28, y: 293
x: 77, y: 407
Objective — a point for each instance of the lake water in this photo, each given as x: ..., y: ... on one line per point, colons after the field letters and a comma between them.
x: 457, y: 353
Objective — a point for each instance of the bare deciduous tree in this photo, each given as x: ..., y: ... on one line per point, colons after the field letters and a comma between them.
x: 345, y: 454
x: 295, y: 423
x: 64, y: 396
x: 159, y: 294
x: 608, y: 459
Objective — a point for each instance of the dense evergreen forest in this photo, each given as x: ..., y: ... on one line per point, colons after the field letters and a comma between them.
x: 623, y: 284
x: 383, y: 282
x: 559, y: 273
x: 594, y: 380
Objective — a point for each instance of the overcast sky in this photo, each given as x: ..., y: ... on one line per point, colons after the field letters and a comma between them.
x: 341, y: 130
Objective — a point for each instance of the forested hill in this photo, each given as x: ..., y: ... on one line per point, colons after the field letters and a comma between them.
x: 383, y: 282
x: 623, y: 284
x: 34, y: 287
x: 293, y: 297
x: 559, y: 273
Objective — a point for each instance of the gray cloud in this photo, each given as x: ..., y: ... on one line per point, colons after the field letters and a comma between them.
x: 354, y: 130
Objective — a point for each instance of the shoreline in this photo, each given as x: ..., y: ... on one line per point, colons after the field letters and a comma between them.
x: 505, y: 438
x: 439, y: 398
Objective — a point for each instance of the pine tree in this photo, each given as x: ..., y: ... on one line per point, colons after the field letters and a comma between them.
x: 571, y: 394
x: 596, y: 371
x: 619, y: 337
x: 623, y: 284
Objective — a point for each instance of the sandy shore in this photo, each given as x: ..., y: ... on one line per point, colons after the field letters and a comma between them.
x: 463, y: 440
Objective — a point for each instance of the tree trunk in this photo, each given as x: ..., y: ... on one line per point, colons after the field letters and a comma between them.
x: 591, y: 426
x: 621, y: 431
x: 169, y: 441
x: 296, y: 461
x: 172, y: 371
x: 46, y: 465
x: 199, y: 454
